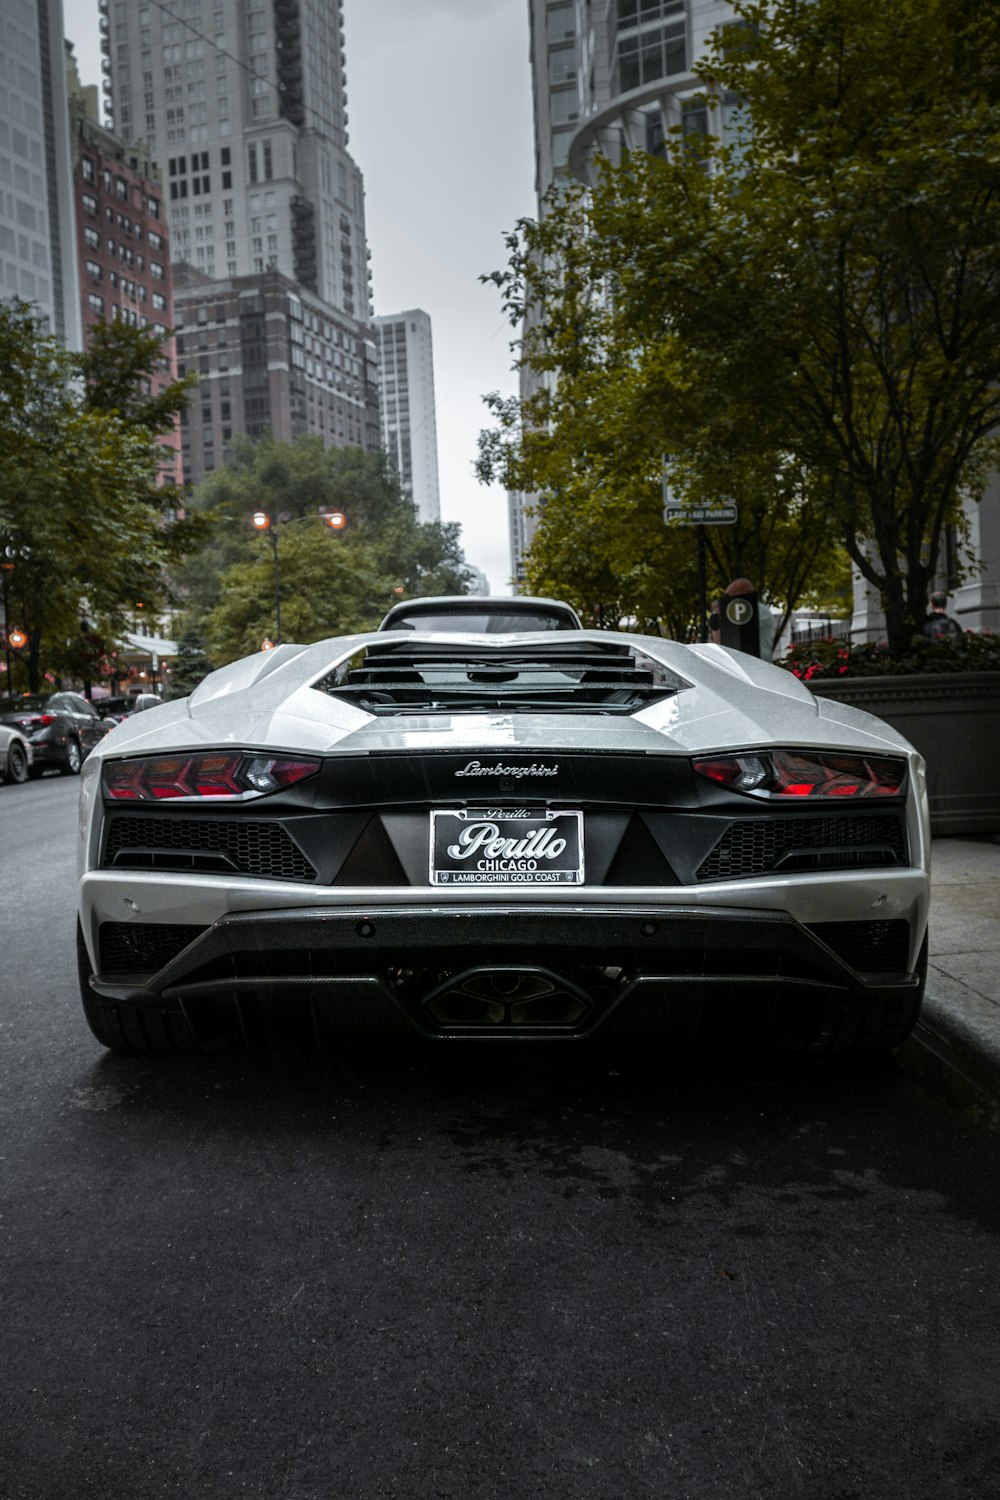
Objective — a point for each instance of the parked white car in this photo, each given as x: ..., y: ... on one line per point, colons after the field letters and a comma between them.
x: 15, y: 754
x: 538, y: 834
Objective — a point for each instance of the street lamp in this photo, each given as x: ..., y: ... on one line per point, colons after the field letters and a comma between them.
x: 261, y: 521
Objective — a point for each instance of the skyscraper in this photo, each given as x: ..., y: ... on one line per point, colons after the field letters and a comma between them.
x: 610, y: 76
x: 37, y: 248
x: 409, y: 422
x: 243, y: 104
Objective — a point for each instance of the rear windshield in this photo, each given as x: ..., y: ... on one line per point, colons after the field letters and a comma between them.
x: 487, y: 622
x: 28, y: 703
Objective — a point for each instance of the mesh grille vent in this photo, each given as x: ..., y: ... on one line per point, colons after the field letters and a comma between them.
x: 142, y: 947
x: 757, y: 846
x: 882, y: 947
x: 257, y: 848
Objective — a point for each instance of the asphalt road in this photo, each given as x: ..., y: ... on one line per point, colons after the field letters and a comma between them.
x: 468, y: 1272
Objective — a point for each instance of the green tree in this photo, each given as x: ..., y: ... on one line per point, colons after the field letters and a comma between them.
x: 330, y: 583
x: 191, y: 664
x: 124, y: 372
x: 619, y: 406
x: 118, y: 369
x: 78, y: 522
x: 330, y: 586
x: 813, y: 307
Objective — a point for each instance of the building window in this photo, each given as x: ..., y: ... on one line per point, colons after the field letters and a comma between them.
x: 562, y: 66
x: 564, y: 106
x: 560, y: 23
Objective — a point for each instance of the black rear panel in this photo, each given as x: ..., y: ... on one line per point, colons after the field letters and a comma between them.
x: 365, y: 822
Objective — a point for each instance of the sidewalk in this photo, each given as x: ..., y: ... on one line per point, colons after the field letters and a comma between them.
x: 961, y: 1013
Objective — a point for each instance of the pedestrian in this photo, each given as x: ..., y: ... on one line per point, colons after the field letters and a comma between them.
x: 939, y: 622
x: 765, y: 619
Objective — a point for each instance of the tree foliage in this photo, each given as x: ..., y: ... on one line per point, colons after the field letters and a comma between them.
x: 805, y: 319
x: 80, y: 529
x: 191, y: 664
x: 331, y: 583
x: 118, y: 369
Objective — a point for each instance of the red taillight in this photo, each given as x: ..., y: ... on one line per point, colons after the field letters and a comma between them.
x: 806, y: 773
x: 31, y: 722
x: 215, y: 774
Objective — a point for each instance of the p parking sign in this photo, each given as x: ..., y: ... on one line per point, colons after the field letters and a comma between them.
x: 739, y: 623
x: 739, y: 612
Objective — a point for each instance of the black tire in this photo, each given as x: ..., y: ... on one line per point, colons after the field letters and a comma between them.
x: 127, y: 1029
x: 17, y: 764
x: 74, y: 759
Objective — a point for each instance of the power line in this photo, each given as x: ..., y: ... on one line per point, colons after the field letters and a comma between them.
x: 278, y: 89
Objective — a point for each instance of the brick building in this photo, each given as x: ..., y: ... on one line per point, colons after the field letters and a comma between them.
x: 123, y: 245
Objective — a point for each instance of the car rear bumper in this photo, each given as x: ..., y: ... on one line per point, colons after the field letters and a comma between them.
x: 506, y: 967
x: 48, y: 752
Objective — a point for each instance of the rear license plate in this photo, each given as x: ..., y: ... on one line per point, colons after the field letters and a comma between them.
x: 506, y: 846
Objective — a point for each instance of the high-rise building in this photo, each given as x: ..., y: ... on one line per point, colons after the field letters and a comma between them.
x: 609, y: 76
x: 270, y: 357
x: 409, y: 420
x: 554, y: 47
x: 635, y: 79
x: 243, y: 104
x: 123, y: 244
x: 37, y: 250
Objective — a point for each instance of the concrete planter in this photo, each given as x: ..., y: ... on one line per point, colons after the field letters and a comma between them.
x: 953, y: 719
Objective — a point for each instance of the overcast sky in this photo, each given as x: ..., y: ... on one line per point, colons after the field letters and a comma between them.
x: 439, y: 105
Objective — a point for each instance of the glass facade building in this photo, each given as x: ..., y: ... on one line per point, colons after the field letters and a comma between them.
x: 37, y: 248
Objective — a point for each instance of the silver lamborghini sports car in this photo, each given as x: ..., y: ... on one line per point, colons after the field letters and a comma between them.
x: 544, y: 834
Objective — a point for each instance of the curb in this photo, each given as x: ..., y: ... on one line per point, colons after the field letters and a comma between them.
x: 955, y: 1059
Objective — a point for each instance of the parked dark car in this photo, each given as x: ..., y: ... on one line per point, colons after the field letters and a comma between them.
x: 120, y: 707
x: 115, y: 708
x: 61, y: 728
